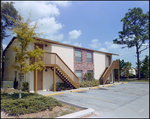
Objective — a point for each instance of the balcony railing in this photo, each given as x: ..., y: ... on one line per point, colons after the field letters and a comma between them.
x: 113, y: 65
x: 53, y: 59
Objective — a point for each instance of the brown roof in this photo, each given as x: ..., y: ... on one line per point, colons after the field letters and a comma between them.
x: 55, y: 42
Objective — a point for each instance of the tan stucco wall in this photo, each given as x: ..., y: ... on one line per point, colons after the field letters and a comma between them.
x: 65, y: 53
x: 9, y: 74
x: 9, y: 60
x: 99, y: 64
x: 48, y: 79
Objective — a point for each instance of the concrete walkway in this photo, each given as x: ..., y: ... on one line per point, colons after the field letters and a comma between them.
x: 67, y: 91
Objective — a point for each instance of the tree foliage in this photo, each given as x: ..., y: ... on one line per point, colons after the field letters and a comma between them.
x: 144, y: 67
x: 25, y: 33
x: 7, y: 9
x: 124, y: 68
x: 135, y: 31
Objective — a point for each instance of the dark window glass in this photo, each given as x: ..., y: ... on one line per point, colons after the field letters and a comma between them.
x: 89, y: 57
x: 79, y: 74
x: 78, y: 56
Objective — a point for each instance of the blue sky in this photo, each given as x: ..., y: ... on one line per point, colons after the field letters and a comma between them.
x: 88, y: 24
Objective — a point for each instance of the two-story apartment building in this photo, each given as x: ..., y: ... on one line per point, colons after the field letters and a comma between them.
x: 64, y: 63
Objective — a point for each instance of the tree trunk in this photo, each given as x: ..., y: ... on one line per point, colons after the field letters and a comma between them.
x: 20, y: 86
x: 1, y: 59
x: 138, y: 61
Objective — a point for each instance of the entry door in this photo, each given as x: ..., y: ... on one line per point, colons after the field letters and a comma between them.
x: 39, y: 73
x: 40, y: 80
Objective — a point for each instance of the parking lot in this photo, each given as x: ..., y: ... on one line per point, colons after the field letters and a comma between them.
x: 124, y: 100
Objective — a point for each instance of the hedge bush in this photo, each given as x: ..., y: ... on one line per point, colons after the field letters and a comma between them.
x: 61, y: 86
x: 107, y: 82
x: 89, y: 83
x: 30, y: 103
x: 25, y: 86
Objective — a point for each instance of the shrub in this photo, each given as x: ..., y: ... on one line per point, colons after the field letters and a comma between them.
x: 89, y: 83
x: 30, y: 103
x: 88, y: 76
x: 132, y: 76
x: 107, y: 82
x: 61, y: 86
x: 25, y: 86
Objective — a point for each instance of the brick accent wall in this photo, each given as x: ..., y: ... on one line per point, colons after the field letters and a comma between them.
x: 84, y: 66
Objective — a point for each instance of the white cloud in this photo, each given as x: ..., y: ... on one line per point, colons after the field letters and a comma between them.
x: 74, y: 34
x: 94, y: 40
x: 77, y: 44
x: 95, y: 43
x: 4, y: 46
x: 110, y: 45
x: 56, y: 37
x: 50, y: 28
x: 44, y: 12
x: 67, y: 42
x: 39, y: 9
x: 62, y: 3
x: 103, y: 49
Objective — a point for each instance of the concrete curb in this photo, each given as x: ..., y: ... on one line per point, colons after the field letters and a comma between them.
x: 77, y: 90
x: 54, y: 94
x: 94, y: 87
x: 116, y: 83
x: 107, y: 85
x: 79, y: 114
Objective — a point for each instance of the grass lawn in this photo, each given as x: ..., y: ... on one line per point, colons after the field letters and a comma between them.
x: 135, y: 80
x: 32, y: 105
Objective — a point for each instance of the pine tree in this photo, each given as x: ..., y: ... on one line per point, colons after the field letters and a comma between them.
x: 135, y: 32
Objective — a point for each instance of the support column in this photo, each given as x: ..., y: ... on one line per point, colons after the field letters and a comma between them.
x: 36, y: 81
x: 118, y: 76
x: 113, y: 76
x: 54, y: 77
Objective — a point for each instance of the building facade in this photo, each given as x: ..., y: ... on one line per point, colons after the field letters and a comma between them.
x: 70, y: 63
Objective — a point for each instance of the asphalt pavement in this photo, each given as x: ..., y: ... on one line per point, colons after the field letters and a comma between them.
x: 122, y: 101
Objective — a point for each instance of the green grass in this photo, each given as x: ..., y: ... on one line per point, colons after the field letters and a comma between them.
x: 30, y: 103
x: 66, y: 112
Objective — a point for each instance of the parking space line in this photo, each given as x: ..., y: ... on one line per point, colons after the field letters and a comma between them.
x: 92, y: 97
x: 120, y: 94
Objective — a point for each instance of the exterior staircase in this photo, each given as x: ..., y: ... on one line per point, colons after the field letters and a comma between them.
x: 52, y: 60
x: 107, y: 72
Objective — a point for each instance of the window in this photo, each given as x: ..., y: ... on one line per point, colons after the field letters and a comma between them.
x: 78, y: 56
x: 89, y: 57
x: 90, y: 71
x: 79, y: 74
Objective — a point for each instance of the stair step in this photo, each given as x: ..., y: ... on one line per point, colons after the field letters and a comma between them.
x: 63, y: 77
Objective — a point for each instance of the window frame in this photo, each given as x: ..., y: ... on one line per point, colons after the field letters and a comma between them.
x: 80, y: 78
x: 77, y: 56
x: 90, y: 58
